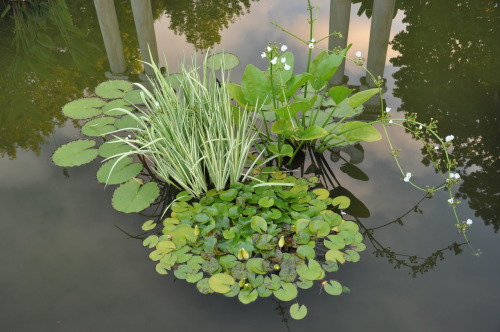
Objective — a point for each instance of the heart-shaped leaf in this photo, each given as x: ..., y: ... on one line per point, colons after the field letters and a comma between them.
x: 134, y: 197
x: 221, y: 282
x: 113, y: 172
x: 84, y: 108
x: 113, y: 89
x: 99, y: 127
x: 75, y: 153
x: 298, y: 311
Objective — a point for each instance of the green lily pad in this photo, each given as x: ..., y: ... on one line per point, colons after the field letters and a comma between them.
x: 99, y: 127
x: 287, y: 292
x: 311, y: 271
x: 194, y: 277
x: 151, y: 241
x: 306, y: 251
x: 322, y: 193
x: 113, y: 147
x: 115, y: 107
x: 297, y: 311
x: 133, y: 97
x: 134, y: 197
x: 84, y: 108
x: 113, y: 172
x: 127, y: 122
x: 203, y: 286
x: 222, y: 61
x: 333, y: 287
x: 229, y: 195
x: 342, y: 201
x: 258, y: 224
x: 246, y: 296
x: 148, y: 225
x: 75, y: 153
x: 113, y: 89
x: 256, y: 265
x: 221, y: 282
x: 335, y: 256
x: 266, y: 202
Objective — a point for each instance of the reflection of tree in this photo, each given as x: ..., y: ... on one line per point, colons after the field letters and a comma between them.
x: 201, y: 21
x: 449, y: 71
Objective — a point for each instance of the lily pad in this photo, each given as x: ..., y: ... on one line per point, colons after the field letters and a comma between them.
x: 287, y: 292
x: 113, y: 172
x: 75, y: 153
x: 333, y: 287
x: 246, y: 296
x: 298, y: 311
x: 134, y: 197
x: 221, y: 282
x: 113, y: 147
x: 99, y: 127
x: 115, y: 107
x: 127, y: 122
x: 133, y: 97
x: 222, y: 61
x: 84, y: 108
x: 113, y: 89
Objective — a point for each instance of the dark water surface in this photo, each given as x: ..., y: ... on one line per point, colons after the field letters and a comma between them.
x: 66, y: 267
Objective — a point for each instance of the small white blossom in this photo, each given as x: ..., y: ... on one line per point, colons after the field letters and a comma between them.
x: 269, y: 49
x: 283, y: 60
x: 274, y: 61
x: 457, y: 176
x: 420, y: 127
x: 312, y: 40
x: 311, y: 45
x: 387, y: 109
x: 263, y: 55
x: 287, y: 67
x: 343, y: 213
x: 407, y: 177
x: 469, y: 222
x: 436, y: 147
x: 358, y: 54
x: 449, y: 138
x: 283, y: 48
x: 390, y: 121
x: 451, y: 201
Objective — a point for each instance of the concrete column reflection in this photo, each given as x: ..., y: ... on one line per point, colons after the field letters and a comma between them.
x: 379, y: 38
x: 143, y: 17
x: 340, y: 14
x: 110, y: 31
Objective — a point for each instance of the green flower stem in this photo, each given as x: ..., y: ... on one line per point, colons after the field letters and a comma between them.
x: 295, y: 153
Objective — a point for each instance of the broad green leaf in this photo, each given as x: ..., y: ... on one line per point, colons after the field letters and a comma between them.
x: 235, y: 289
x: 349, y: 226
x: 134, y: 197
x: 236, y: 93
x: 304, y: 284
x: 127, y: 122
x: 151, y: 241
x: 322, y: 193
x: 283, y: 127
x: 221, y: 282
x: 330, y: 266
x: 222, y: 60
x: 113, y: 147
x: 311, y: 133
x: 113, y: 172
x: 99, y: 127
x: 344, y: 110
x: 333, y: 287
x: 296, y: 82
x: 360, y: 97
x: 228, y: 261
x: 286, y: 149
x: 359, y: 131
x: 298, y: 311
x: 246, y: 296
x: 287, y: 292
x: 306, y: 251
x: 75, y: 153
x: 203, y: 286
x: 339, y: 93
x: 84, y: 108
x: 255, y: 86
x: 289, y: 111
x: 353, y: 256
x: 266, y: 202
x: 311, y: 271
x: 148, y: 225
x: 256, y: 265
x: 115, y: 107
x: 113, y: 89
x: 342, y: 202
x: 334, y: 242
x: 335, y: 256
x: 194, y: 277
x: 133, y: 97
x: 325, y: 65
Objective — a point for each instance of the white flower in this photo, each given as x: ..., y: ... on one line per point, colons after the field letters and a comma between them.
x: 436, y: 147
x: 157, y: 103
x: 451, y: 201
x: 449, y: 138
x: 283, y: 60
x: 407, y: 177
x: 287, y: 67
x: 387, y: 109
x: 283, y: 48
x: 263, y: 55
x: 420, y: 127
x: 269, y: 49
x: 390, y: 121
x: 274, y: 61
x: 343, y: 213
x: 358, y: 54
x: 311, y: 45
x: 457, y: 176
x: 469, y: 222
x: 312, y: 40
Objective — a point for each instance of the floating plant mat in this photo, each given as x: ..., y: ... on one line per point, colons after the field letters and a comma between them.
x: 272, y: 236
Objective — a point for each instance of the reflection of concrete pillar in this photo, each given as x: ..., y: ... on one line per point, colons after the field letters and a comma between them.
x: 143, y: 17
x: 379, y: 38
x: 108, y: 23
x: 340, y: 13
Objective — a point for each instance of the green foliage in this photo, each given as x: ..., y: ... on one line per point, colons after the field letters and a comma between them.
x: 133, y: 196
x: 75, y: 153
x: 113, y: 89
x: 84, y: 108
x: 255, y: 240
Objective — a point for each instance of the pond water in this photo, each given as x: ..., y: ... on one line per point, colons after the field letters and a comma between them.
x: 67, y: 267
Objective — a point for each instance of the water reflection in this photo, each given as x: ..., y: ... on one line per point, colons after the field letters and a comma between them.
x: 448, y: 70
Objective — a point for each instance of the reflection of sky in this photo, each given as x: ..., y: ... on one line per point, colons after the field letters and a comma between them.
x: 67, y: 268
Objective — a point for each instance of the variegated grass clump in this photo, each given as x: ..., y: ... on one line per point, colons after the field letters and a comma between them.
x: 189, y: 132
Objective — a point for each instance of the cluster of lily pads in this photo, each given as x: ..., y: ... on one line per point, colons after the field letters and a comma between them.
x: 106, y: 117
x: 257, y: 240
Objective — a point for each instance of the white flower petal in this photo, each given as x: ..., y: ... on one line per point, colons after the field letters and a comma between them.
x: 263, y: 55
x: 469, y: 222
x: 311, y: 45
x: 283, y: 60
x: 283, y: 48
x: 449, y: 138
x: 274, y: 61
x: 269, y: 49
x: 390, y: 121
x: 387, y: 109
x: 436, y: 147
x: 358, y: 54
x: 287, y: 67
